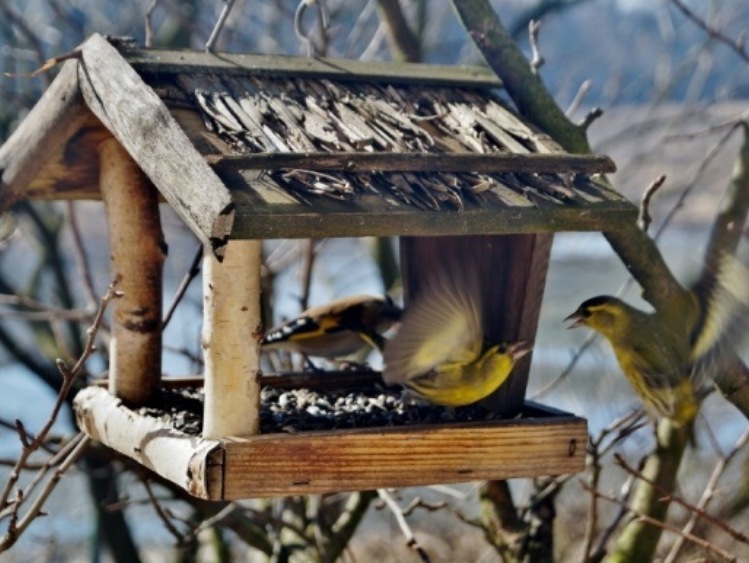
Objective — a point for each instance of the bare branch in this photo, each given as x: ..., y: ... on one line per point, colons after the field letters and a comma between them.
x: 420, y: 503
x: 149, y: 23
x: 736, y: 45
x: 582, y: 91
x: 659, y: 524
x: 537, y: 59
x: 669, y: 497
x: 644, y: 218
x: 600, y: 550
x: 403, y: 525
x: 183, y: 285
x: 16, y: 20
x: 707, y: 495
x: 70, y: 453
x: 17, y: 526
x: 222, y: 514
x: 161, y: 513
x: 79, y: 254
x: 309, y: 264
x: 210, y: 44
x: 589, y: 118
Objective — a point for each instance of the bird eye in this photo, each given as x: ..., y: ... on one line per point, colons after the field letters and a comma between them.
x: 585, y: 313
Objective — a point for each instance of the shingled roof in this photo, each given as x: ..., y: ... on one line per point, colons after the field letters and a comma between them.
x: 246, y: 146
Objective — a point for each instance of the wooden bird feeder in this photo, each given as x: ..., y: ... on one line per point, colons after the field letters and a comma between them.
x: 247, y: 147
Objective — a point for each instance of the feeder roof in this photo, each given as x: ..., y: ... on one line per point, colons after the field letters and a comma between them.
x: 247, y: 146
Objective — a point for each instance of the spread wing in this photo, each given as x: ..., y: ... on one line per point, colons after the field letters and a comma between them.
x: 724, y: 320
x: 442, y: 326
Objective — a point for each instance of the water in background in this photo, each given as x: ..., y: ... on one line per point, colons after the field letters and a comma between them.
x: 582, y: 266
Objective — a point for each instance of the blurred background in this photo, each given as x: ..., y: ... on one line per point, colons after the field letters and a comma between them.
x: 668, y: 90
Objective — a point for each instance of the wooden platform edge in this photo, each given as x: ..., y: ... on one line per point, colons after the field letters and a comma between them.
x: 544, y: 442
x: 191, y: 462
x: 364, y: 459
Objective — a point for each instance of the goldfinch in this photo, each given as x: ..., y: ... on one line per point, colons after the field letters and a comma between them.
x: 439, y: 353
x: 336, y: 329
x: 670, y: 366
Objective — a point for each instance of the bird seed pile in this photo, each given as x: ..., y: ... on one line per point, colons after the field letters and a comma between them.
x: 298, y: 410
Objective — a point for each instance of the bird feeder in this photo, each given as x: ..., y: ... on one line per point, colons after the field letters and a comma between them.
x: 247, y: 147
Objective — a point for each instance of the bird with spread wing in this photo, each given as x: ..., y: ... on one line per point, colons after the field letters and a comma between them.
x: 440, y: 353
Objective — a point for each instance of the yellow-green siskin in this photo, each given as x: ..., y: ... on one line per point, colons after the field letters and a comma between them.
x: 670, y: 366
x: 336, y: 329
x: 439, y: 352
x: 654, y: 359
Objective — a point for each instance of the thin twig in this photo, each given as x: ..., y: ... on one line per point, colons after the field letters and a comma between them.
x: 711, y: 130
x: 600, y: 550
x: 428, y: 506
x: 622, y: 427
x: 47, y: 316
x: 18, y: 301
x: 79, y: 253
x: 644, y: 218
x: 582, y: 91
x: 576, y: 356
x: 45, y: 446
x: 308, y: 266
x: 589, y: 118
x: 18, y: 526
x: 669, y: 497
x: 595, y: 475
x: 707, y: 496
x: 17, y: 20
x: 11, y: 462
x: 228, y: 5
x: 277, y: 522
x: 162, y: 514
x: 64, y: 452
x: 149, y: 23
x: 737, y: 45
x: 215, y: 519
x: 31, y: 445
x: 411, y: 542
x: 537, y: 59
x: 183, y: 285
x: 712, y: 153
x: 667, y: 527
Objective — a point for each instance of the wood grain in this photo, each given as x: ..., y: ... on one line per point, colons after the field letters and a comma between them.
x: 142, y: 124
x: 230, y: 340
x: 31, y: 160
x: 543, y: 442
x: 419, y: 162
x: 162, y: 61
x: 347, y: 460
x: 137, y: 252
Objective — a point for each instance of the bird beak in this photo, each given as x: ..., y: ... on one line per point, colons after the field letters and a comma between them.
x: 577, y: 317
x: 519, y: 349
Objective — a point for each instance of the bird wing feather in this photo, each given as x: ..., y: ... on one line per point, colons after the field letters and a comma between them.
x: 442, y: 326
x: 724, y: 301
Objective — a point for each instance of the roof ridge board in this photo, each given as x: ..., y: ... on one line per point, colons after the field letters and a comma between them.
x: 180, y: 61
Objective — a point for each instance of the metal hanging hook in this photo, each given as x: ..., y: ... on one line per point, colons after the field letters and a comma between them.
x: 300, y: 33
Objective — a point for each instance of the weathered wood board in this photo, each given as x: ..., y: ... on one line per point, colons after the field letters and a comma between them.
x: 543, y: 442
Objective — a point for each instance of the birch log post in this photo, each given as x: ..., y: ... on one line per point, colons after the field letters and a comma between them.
x: 137, y: 252
x: 231, y: 340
